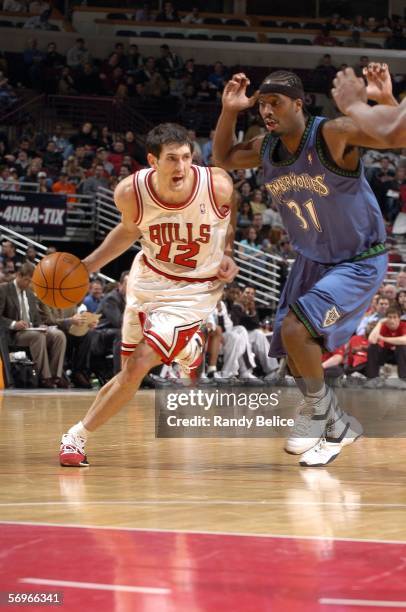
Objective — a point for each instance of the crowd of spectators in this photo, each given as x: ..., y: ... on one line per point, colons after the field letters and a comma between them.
x: 78, y: 160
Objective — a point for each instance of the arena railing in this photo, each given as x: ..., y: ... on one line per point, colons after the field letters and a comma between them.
x: 264, y: 274
x: 22, y: 243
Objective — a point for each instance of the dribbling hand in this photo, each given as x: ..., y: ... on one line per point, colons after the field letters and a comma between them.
x: 234, y: 95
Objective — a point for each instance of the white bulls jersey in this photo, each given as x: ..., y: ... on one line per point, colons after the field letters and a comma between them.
x: 182, y: 241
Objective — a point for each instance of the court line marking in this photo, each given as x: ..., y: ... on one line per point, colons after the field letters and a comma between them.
x: 196, y: 502
x: 210, y: 533
x: 97, y: 586
x: 362, y: 602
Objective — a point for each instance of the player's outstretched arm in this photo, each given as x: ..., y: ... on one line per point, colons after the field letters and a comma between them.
x: 380, y: 126
x: 226, y: 152
x: 121, y: 237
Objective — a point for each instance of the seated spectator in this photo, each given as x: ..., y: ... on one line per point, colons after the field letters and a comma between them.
x: 83, y: 136
x: 238, y: 358
x: 15, y: 6
x: 389, y: 291
x: 8, y: 97
x: 169, y: 13
x: 197, y: 150
x: 401, y: 303
x: 324, y: 39
x: 244, y: 312
x: 401, y: 280
x: 357, y: 353
x: 193, y: 17
x: 397, y: 40
x: 87, y: 81
x: 144, y: 13
x: 244, y: 215
x: 38, y: 6
x: 31, y: 255
x: 169, y: 65
x: 52, y: 159
x: 324, y: 74
x: 378, y: 313
x: 18, y: 313
x: 66, y: 83
x: 354, y: 41
x: 78, y: 349
x: 218, y: 77
x: 363, y: 63
x: 40, y: 21
x: 9, y: 254
x: 333, y: 363
x: 72, y: 166
x: 91, y: 184
x: 135, y: 59
x: 102, y: 158
x: 50, y: 69
x: 207, y: 149
x: 93, y: 299
x: 108, y: 331
x: 358, y: 24
x: 257, y: 203
x: 271, y: 216
x: 387, y: 345
x: 392, y: 202
x: 64, y: 186
x: 77, y: 56
x: 155, y: 84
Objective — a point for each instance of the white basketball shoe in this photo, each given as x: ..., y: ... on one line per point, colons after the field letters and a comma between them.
x: 339, y: 434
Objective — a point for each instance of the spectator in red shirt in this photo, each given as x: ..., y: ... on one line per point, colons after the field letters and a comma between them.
x: 387, y: 344
x: 116, y: 158
x: 357, y: 355
x: 324, y: 39
x: 332, y: 363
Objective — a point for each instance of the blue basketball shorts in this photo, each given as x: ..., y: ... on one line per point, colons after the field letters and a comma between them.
x: 329, y: 300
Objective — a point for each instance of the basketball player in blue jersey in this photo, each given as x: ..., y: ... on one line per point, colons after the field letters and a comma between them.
x: 385, y: 121
x: 312, y: 170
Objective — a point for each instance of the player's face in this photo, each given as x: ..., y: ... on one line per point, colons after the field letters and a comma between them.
x: 278, y: 112
x: 173, y: 166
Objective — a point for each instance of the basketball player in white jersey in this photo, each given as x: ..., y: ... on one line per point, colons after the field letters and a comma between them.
x: 180, y: 213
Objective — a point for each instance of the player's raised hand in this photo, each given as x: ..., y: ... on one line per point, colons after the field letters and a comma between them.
x: 348, y: 89
x: 234, y: 95
x: 228, y: 269
x: 379, y: 83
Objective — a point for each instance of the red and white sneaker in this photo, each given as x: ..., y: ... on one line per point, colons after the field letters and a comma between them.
x: 72, y: 452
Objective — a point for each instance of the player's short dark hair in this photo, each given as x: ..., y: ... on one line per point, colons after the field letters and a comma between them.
x: 165, y: 134
x: 393, y: 310
x: 285, y: 79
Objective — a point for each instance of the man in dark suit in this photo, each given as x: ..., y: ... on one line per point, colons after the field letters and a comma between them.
x: 108, y: 330
x: 78, y: 346
x: 19, y: 313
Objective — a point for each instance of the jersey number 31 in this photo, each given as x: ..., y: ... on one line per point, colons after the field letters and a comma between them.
x: 309, y: 206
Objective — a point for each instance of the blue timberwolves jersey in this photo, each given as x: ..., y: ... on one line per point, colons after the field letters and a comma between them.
x: 330, y: 214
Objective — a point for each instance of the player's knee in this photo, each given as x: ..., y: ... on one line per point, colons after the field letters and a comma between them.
x: 138, y: 364
x: 292, y: 329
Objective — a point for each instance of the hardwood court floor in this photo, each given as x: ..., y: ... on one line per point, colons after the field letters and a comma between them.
x: 221, y: 486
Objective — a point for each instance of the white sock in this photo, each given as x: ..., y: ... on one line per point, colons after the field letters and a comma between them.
x: 319, y: 394
x: 211, y: 369
x: 80, y: 430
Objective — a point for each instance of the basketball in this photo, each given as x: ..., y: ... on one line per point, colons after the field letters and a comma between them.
x: 60, y: 280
